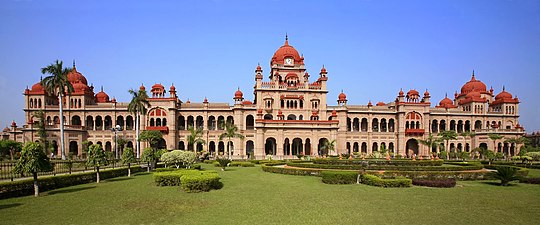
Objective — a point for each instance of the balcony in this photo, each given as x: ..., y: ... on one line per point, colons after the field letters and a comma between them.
x: 162, y: 129
x: 414, y: 132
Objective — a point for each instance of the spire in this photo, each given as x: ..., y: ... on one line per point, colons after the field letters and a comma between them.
x: 446, y: 95
x: 74, y: 64
x: 101, y: 88
x: 504, y: 88
x: 473, y: 76
x: 286, y: 39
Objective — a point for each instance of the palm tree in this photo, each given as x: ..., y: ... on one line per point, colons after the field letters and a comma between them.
x: 329, y: 145
x: 231, y: 131
x: 58, y: 84
x: 430, y: 142
x: 464, y: 135
x: 138, y: 106
x: 495, y: 137
x: 194, y: 137
x: 448, y: 135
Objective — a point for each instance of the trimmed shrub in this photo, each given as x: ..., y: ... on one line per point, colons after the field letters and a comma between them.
x: 339, y: 177
x: 530, y: 180
x: 463, y: 167
x: 379, y: 182
x: 25, y: 187
x: 202, y: 182
x: 393, y: 162
x: 521, y: 172
x: 441, y: 183
x: 291, y: 171
x: 255, y: 161
x: 242, y: 164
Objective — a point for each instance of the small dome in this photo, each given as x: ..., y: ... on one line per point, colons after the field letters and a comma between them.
x: 158, y: 86
x: 503, y: 95
x: 37, y: 87
x: 473, y: 85
x: 102, y: 96
x: 306, y: 74
x: 369, y: 104
x: 413, y: 92
x: 172, y: 88
x: 380, y: 104
x: 323, y: 70
x: 80, y: 87
x: 75, y: 77
x: 205, y: 100
x: 473, y: 94
x: 342, y: 97
x: 426, y: 93
x: 446, y: 103
x: 13, y: 124
x: 259, y: 68
x: 401, y: 92
x: 142, y: 88
x: 286, y: 51
x: 247, y: 102
x: 238, y: 94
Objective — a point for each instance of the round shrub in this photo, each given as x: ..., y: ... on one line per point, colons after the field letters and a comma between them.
x: 339, y: 177
x: 440, y: 183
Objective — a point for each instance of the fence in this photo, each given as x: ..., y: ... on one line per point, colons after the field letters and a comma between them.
x: 59, y: 167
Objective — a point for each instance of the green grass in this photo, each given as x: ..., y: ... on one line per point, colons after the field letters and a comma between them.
x: 250, y: 196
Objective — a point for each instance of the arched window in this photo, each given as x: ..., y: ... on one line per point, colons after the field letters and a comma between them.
x: 250, y: 122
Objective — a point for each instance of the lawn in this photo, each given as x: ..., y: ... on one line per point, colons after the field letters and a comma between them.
x: 250, y: 196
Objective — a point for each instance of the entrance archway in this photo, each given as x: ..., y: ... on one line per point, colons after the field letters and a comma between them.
x: 297, y: 146
x: 320, y: 147
x: 249, y: 148
x: 73, y: 148
x: 307, y: 147
x: 270, y: 146
x: 412, y: 147
x: 162, y: 144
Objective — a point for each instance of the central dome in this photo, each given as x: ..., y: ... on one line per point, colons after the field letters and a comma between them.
x: 473, y: 85
x: 286, y: 51
x: 75, y: 77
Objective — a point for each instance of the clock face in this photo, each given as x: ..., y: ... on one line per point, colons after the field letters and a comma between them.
x: 289, y: 61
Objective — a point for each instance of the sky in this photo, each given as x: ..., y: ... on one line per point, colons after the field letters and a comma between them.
x: 209, y: 48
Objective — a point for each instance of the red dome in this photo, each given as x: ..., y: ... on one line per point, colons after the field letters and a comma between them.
x: 342, y: 97
x: 238, y: 94
x: 172, y: 88
x: 446, y: 103
x: 158, y: 86
x: 102, y: 96
x: 75, y: 77
x: 426, y: 93
x: 413, y: 92
x: 323, y: 70
x: 258, y: 68
x: 380, y: 104
x: 400, y: 92
x: 37, y: 87
x: 80, y: 87
x: 286, y: 51
x: 503, y: 95
x: 473, y: 94
x: 473, y: 85
x: 142, y: 88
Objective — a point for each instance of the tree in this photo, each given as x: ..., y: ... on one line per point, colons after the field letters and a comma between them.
x: 223, y: 162
x: 231, y: 131
x: 194, y: 137
x: 431, y: 142
x: 150, y: 155
x: 446, y: 136
x: 152, y: 137
x: 9, y: 147
x: 42, y: 132
x: 128, y: 157
x: 96, y: 158
x: 516, y: 141
x: 121, y: 143
x: 329, y: 146
x: 58, y: 84
x: 33, y: 160
x: 138, y: 106
x: 495, y: 137
x: 179, y: 157
x: 506, y: 174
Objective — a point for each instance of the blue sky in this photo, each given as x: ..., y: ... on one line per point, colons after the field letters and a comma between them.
x: 371, y: 49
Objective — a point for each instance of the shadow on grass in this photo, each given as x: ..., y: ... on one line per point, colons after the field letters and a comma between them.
x: 69, y: 190
x: 9, y: 205
x: 119, y: 179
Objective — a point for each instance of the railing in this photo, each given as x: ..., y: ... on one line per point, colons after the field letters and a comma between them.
x: 414, y: 132
x: 59, y: 167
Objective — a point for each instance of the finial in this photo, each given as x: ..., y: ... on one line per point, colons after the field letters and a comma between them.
x: 40, y: 78
x: 446, y: 95
x: 341, y: 90
x: 74, y: 64
x: 473, y: 72
x: 286, y: 39
x: 504, y: 88
x: 101, y: 88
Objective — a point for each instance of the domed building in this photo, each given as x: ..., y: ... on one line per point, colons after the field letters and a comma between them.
x: 289, y: 114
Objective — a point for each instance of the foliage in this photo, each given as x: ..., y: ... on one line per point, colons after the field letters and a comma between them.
x: 128, y: 156
x: 534, y: 155
x: 179, y: 157
x: 385, y: 167
x: 440, y: 183
x: 152, y: 137
x: 379, y: 182
x: 430, y: 141
x: 443, y: 154
x: 190, y: 180
x: 329, y: 146
x: 24, y: 187
x: 446, y: 136
x: 242, y: 164
x: 339, y: 177
x: 530, y: 180
x: 9, y: 148
x: 42, y: 132
x: 194, y: 137
x: 96, y: 157
x: 223, y: 162
x: 231, y: 131
x: 506, y: 174
x: 33, y: 160
x: 396, y: 162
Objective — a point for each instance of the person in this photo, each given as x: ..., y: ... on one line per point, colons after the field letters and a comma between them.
x: 52, y: 155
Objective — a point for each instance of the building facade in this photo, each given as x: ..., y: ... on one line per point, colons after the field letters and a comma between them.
x: 288, y: 115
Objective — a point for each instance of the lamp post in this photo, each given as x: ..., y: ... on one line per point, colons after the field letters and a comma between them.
x: 115, y: 130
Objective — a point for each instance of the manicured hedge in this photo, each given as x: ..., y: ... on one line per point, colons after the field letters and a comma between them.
x: 523, y: 172
x: 380, y: 182
x: 399, y: 162
x: 530, y: 180
x: 26, y: 187
x: 339, y: 177
x: 440, y: 183
x: 189, y: 180
x: 386, y: 167
x: 242, y: 164
x: 292, y: 171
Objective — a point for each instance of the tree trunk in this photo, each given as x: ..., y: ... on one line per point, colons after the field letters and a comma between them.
x: 129, y: 169
x: 97, y: 174
x: 138, y: 146
x: 447, y: 150
x: 148, y: 167
x: 62, y: 145
x: 228, y: 149
x: 36, y: 187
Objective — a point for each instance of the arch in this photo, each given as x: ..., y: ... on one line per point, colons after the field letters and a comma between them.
x: 383, y: 125
x: 375, y: 125
x: 364, y: 125
x: 307, y: 146
x: 221, y: 148
x: 356, y: 124
x: 100, y: 144
x: 55, y: 147
x: 391, y: 147
x: 286, y: 147
x: 108, y: 122
x: 452, y: 125
x: 199, y: 122
x: 49, y: 122
x: 89, y: 122
x: 348, y: 146
x: 320, y: 147
x: 108, y: 146
x: 230, y: 120
x: 212, y: 147
x: 190, y: 122
x: 460, y: 126
x: 250, y: 122
x: 435, y: 126
x: 181, y: 123
x: 130, y: 144
x: 356, y: 147
x: 120, y: 121
x: 73, y: 148
x: 349, y: 124
x: 364, y: 147
x: 99, y: 123
x: 383, y: 146
x: 270, y: 146
x: 459, y: 147
x: 211, y: 123
x: 467, y: 126
x: 76, y: 121
x: 300, y: 117
x: 162, y: 144
x: 164, y: 122
x: 152, y: 122
x: 268, y: 117
x: 291, y: 117
x: 452, y: 147
x: 442, y: 125
x: 483, y: 145
x: 477, y: 125
x: 391, y: 125
x: 412, y: 147
x: 374, y: 147
x: 221, y: 123
x: 129, y: 123
x: 250, y: 146
x: 297, y: 146
x: 199, y: 147
x: 158, y: 122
